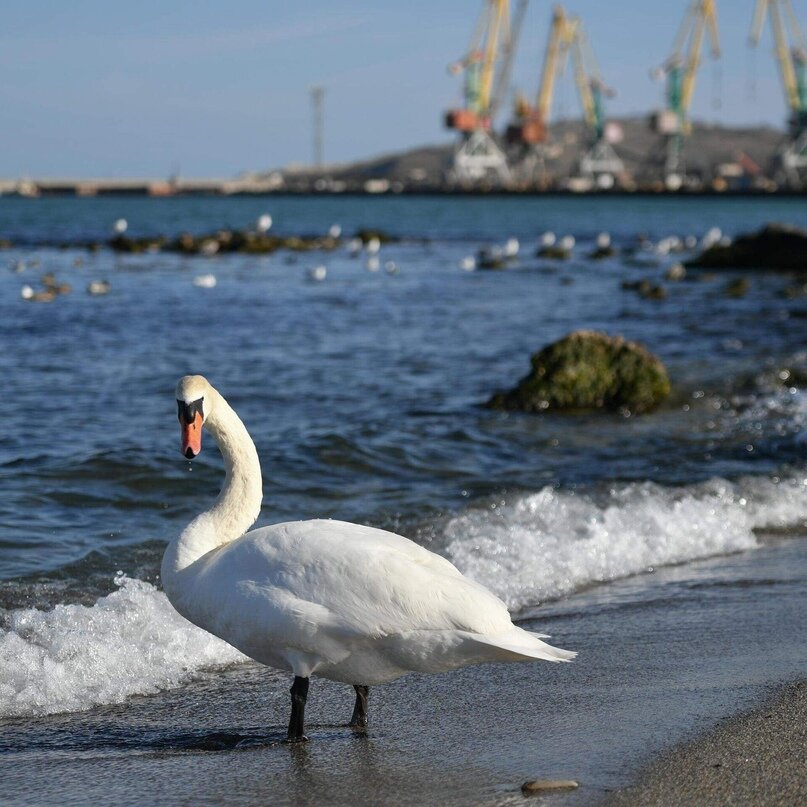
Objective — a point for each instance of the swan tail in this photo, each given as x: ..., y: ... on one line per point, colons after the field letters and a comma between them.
x: 524, y: 645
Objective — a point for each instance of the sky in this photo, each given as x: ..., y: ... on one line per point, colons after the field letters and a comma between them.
x: 211, y: 89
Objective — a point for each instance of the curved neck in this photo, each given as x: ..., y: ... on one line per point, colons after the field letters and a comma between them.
x: 239, y: 501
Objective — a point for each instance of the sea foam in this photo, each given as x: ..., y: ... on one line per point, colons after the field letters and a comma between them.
x: 541, y: 545
x: 131, y: 642
x: 550, y: 543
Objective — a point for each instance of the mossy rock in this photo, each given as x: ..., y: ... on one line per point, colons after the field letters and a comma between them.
x: 554, y: 252
x: 775, y: 247
x: 589, y: 370
x: 369, y: 233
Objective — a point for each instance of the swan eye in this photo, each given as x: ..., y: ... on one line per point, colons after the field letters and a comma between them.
x: 187, y: 411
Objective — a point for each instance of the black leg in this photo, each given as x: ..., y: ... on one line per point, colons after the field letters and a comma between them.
x: 299, y: 693
x: 359, y: 719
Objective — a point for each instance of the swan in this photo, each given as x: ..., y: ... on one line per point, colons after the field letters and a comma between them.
x: 342, y: 601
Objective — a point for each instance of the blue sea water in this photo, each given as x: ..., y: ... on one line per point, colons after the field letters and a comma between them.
x: 364, y: 395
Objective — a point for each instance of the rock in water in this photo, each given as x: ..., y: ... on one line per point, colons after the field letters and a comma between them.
x: 589, y: 370
x: 776, y: 246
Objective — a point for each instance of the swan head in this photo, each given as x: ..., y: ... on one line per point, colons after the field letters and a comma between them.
x: 194, y: 402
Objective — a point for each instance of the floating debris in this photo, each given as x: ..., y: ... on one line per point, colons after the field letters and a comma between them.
x: 98, y: 287
x: 676, y: 272
x: 205, y: 281
x: 603, y: 248
x: 737, y: 288
x: 50, y: 283
x: 44, y: 296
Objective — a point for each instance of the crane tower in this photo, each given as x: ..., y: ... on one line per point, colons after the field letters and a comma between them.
x: 486, y: 67
x: 791, y: 54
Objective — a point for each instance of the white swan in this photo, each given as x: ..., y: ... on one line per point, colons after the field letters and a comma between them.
x: 342, y: 601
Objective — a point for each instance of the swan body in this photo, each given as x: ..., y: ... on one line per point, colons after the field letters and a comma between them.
x: 341, y: 601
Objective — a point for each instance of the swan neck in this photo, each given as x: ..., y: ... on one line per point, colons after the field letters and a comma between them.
x: 239, y: 502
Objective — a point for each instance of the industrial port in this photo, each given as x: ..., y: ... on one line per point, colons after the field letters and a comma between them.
x: 506, y: 140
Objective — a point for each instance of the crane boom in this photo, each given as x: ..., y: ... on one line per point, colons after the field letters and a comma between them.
x: 785, y: 56
x: 706, y: 19
x: 557, y: 32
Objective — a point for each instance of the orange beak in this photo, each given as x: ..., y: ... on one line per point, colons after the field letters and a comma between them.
x: 191, y: 442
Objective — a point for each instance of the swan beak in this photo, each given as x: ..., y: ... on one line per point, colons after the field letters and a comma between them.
x: 191, y: 442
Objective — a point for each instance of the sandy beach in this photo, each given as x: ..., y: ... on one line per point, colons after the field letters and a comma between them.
x: 759, y: 757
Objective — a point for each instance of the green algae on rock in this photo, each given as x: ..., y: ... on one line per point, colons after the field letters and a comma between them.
x: 589, y: 370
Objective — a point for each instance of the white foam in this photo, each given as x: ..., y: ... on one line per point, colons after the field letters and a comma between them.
x: 553, y: 542
x: 131, y: 642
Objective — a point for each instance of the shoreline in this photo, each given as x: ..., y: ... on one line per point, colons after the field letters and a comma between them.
x: 754, y: 757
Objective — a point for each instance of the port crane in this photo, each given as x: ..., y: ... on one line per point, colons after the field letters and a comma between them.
x: 530, y: 130
x: 791, y: 54
x: 477, y: 156
x: 680, y: 71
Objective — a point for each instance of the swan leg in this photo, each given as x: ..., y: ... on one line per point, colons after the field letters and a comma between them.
x: 299, y: 693
x: 359, y: 719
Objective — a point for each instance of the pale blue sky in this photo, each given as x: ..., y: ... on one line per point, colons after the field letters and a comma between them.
x: 113, y: 89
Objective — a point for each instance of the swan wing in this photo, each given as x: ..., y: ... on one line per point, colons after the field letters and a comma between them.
x: 322, y: 584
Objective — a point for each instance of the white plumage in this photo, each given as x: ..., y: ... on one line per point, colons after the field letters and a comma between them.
x: 342, y: 601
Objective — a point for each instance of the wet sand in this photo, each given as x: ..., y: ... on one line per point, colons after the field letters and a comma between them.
x: 756, y: 758
x: 662, y: 657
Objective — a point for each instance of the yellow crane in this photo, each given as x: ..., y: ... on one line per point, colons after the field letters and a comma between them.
x: 791, y: 54
x: 530, y: 128
x: 486, y: 67
x: 681, y: 70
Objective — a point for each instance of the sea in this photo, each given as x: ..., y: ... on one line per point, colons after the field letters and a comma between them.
x: 667, y: 549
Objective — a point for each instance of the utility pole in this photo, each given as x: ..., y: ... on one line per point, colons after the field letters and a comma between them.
x: 317, y: 99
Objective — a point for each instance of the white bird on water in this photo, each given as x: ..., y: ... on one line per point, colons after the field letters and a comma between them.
x: 318, y: 273
x: 120, y: 226
x: 264, y: 223
x: 205, y: 281
x: 323, y: 598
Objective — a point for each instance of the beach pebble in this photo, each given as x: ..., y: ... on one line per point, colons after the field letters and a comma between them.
x: 264, y: 223
x: 544, y: 785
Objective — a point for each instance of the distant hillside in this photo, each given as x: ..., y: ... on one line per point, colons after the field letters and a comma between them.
x: 641, y: 150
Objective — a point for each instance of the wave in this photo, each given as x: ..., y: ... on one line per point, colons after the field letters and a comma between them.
x: 539, y: 546
x: 551, y: 543
x: 131, y: 642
